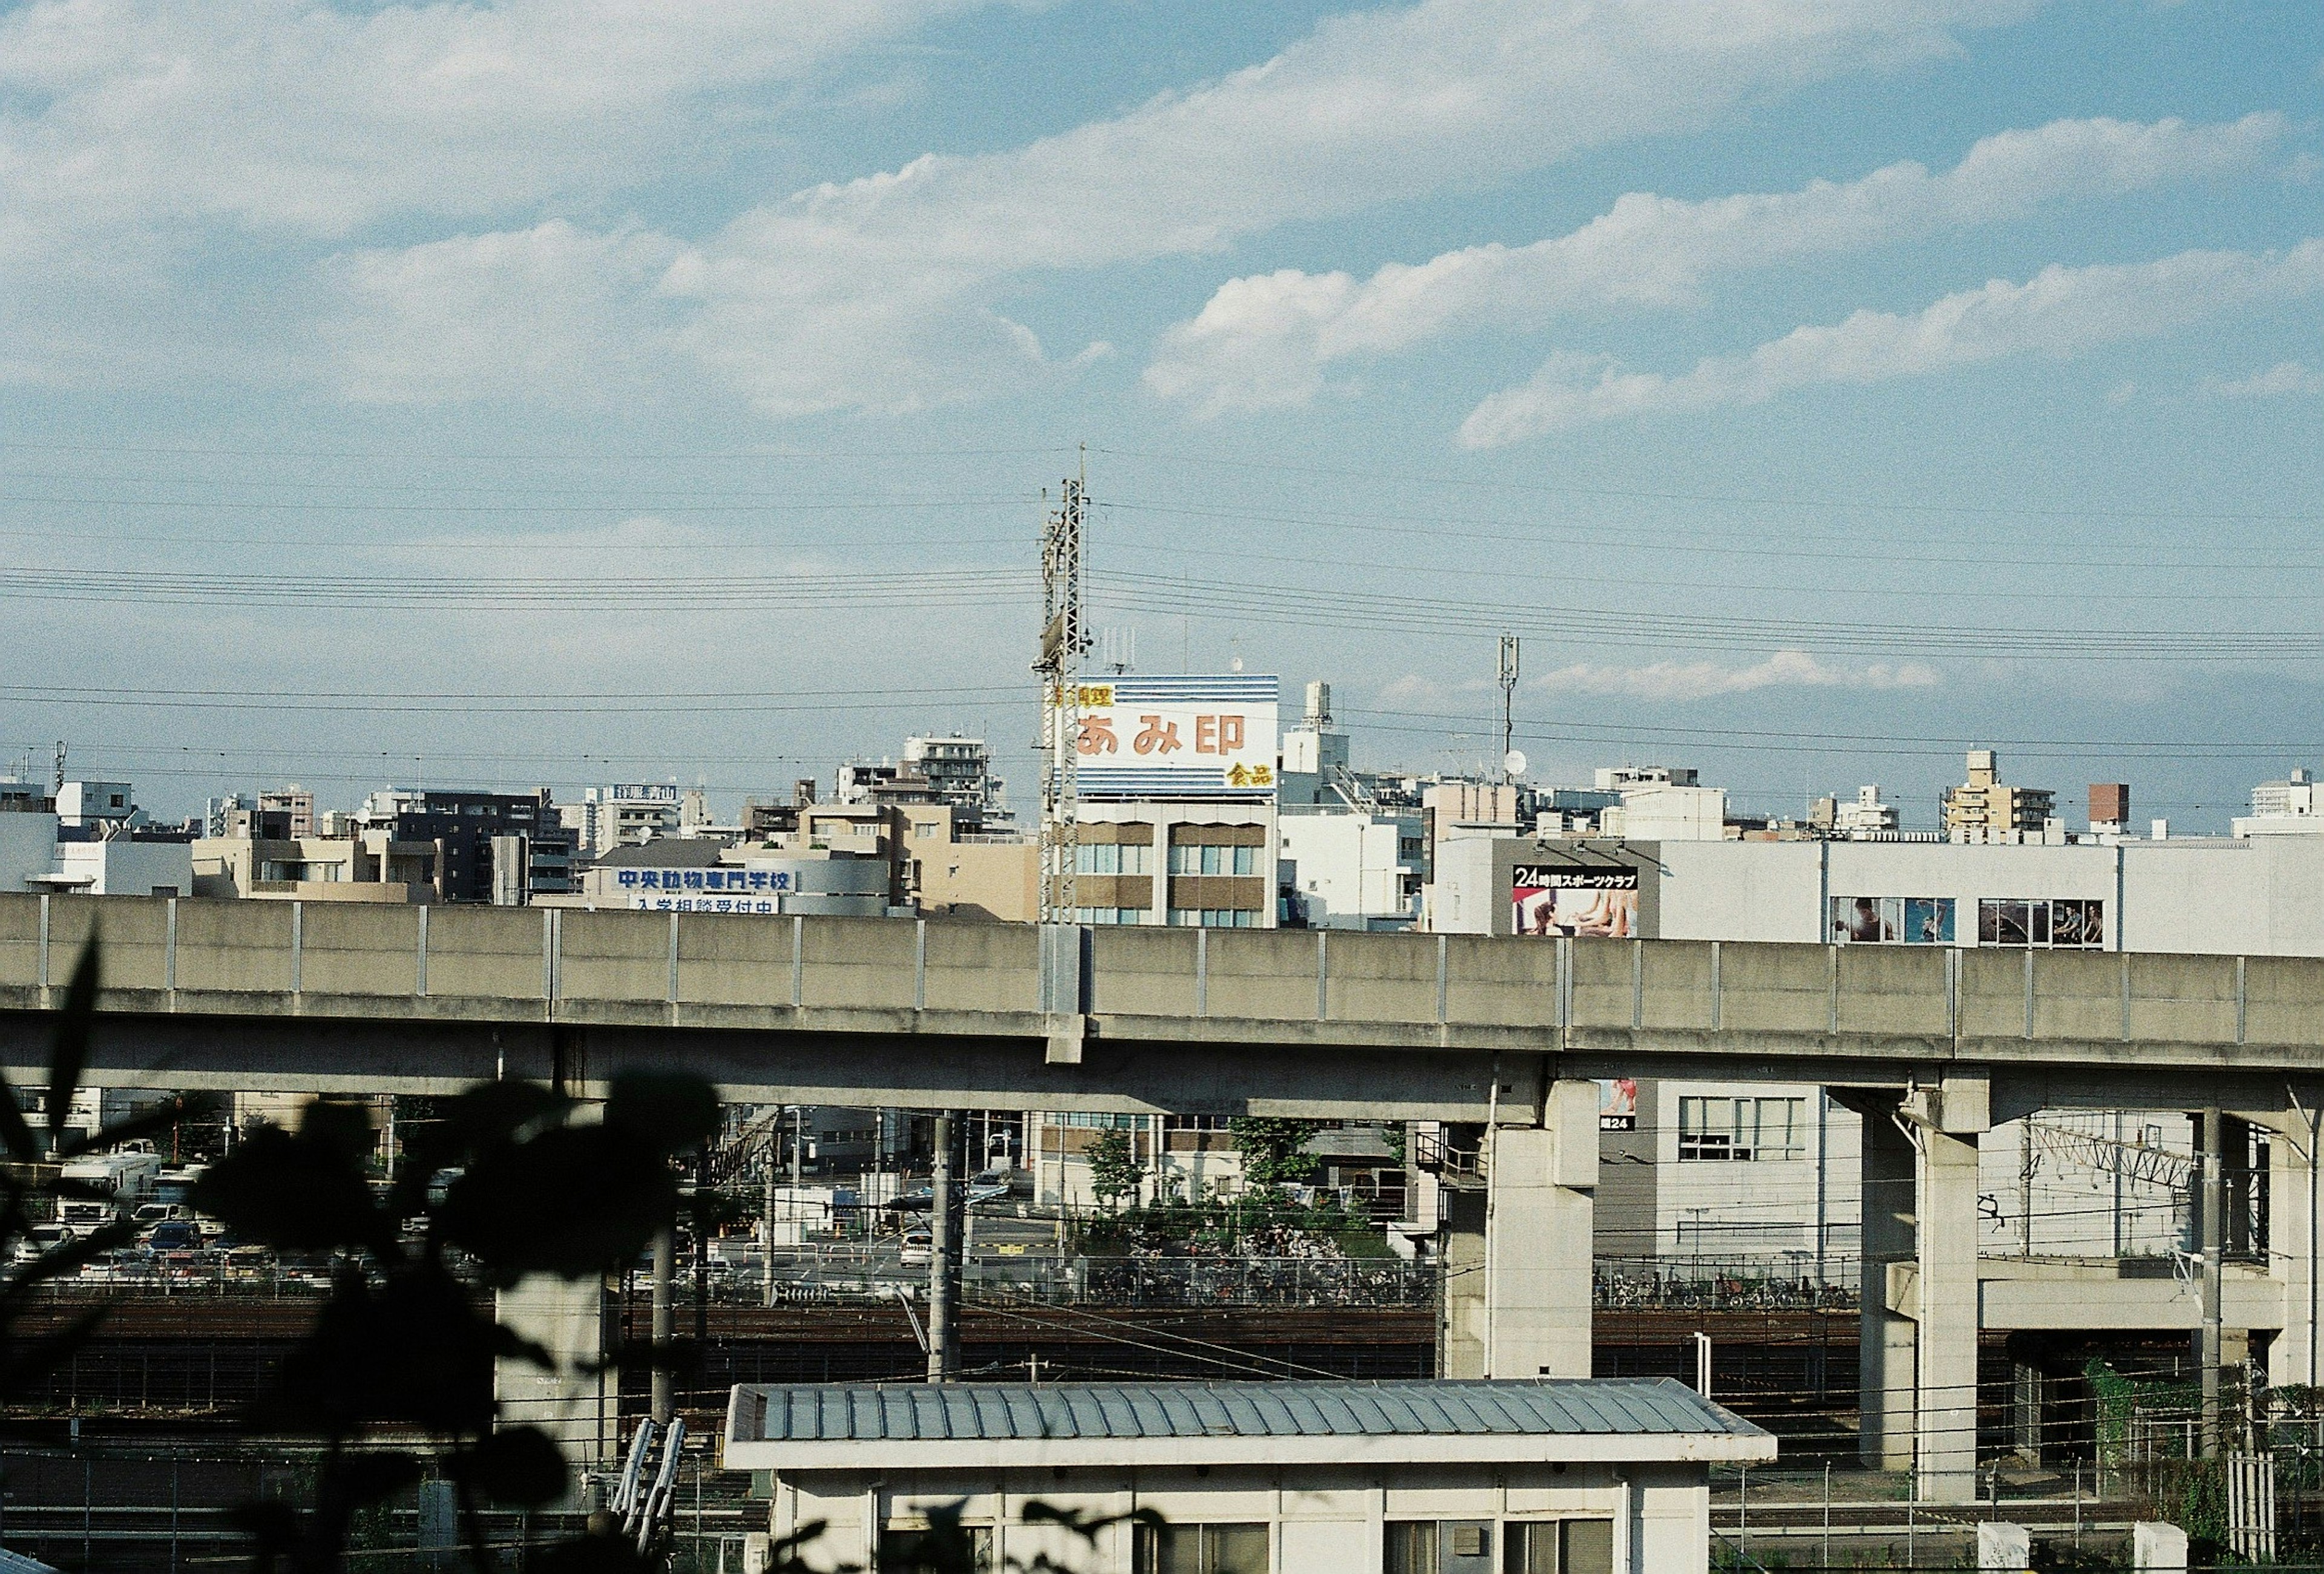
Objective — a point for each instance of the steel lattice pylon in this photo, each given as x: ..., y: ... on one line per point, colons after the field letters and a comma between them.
x: 1063, y: 645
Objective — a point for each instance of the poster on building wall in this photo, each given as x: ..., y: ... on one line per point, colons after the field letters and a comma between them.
x: 1557, y: 899
x: 1618, y: 1103
x: 1197, y: 737
x: 1891, y: 921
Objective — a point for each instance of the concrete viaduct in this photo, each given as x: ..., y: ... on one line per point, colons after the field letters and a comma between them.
x: 1934, y: 1044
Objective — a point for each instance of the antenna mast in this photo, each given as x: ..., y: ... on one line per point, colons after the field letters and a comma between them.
x: 1508, y: 700
x: 1063, y: 645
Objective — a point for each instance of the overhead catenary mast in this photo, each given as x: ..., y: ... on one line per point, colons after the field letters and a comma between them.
x: 1063, y: 645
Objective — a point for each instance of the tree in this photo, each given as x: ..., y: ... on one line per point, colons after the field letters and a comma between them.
x: 30, y: 1182
x: 1274, y: 1150
x: 1114, y: 1169
x: 403, y: 1349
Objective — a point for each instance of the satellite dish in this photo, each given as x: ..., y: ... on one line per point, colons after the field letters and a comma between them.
x: 1514, y: 762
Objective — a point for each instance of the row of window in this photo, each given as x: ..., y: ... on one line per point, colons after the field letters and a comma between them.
x: 1206, y: 858
x: 2069, y: 922
x: 1547, y: 1546
x: 1214, y: 917
x: 1736, y: 1130
x: 1113, y: 858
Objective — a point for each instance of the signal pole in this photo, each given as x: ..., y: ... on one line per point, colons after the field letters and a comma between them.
x: 1063, y: 645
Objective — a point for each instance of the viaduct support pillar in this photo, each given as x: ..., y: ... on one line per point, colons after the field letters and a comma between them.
x: 1540, y: 1208
x: 1945, y: 1123
x: 1886, y: 1336
x: 2292, y: 1243
x: 575, y: 1400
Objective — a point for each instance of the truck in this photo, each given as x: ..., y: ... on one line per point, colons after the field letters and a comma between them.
x: 125, y: 1178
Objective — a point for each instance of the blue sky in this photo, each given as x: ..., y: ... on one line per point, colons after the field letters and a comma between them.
x: 1819, y: 388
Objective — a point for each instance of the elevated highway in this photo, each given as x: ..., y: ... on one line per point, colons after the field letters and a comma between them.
x: 1935, y: 1045
x: 357, y: 996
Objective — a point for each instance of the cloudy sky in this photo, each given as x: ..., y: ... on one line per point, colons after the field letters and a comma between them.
x: 529, y: 394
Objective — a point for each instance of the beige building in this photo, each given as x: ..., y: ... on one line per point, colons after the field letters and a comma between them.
x: 1987, y: 809
x: 366, y: 868
x: 1196, y: 865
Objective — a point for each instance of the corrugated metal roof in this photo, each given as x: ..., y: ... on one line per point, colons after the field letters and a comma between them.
x: 991, y: 1412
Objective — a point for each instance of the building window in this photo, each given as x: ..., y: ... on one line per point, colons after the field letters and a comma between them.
x: 1100, y: 1120
x: 2073, y: 924
x: 1109, y: 914
x: 1113, y: 858
x: 1738, y: 1131
x: 1214, y: 917
x: 1202, y: 1548
x: 909, y: 1548
x: 1891, y: 921
x: 1554, y: 1546
x: 1209, y: 857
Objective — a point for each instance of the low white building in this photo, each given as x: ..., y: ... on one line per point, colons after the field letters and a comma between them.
x: 1354, y: 869
x: 121, y: 867
x: 1400, y: 1478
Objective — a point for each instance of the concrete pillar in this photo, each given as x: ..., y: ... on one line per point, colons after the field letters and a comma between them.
x: 2157, y: 1546
x: 1884, y: 1348
x: 1540, y: 1208
x: 1461, y: 1299
x: 575, y: 1401
x: 2003, y: 1548
x: 2293, y: 1245
x: 1946, y: 1127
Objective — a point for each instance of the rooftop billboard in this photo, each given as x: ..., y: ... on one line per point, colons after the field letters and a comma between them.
x: 1196, y: 737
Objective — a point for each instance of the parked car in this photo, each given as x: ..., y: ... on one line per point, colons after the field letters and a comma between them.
x: 919, y: 1247
x: 174, y: 1235
x: 39, y: 1238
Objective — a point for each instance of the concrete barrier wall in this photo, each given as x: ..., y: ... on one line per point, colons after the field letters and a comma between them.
x: 984, y: 967
x: 2282, y: 1000
x: 19, y: 941
x: 1141, y: 972
x: 858, y: 961
x: 726, y: 961
x: 347, y: 949
x: 1677, y: 974
x: 233, y: 947
x: 1894, y: 990
x: 214, y: 953
x: 1775, y: 988
x: 1993, y: 994
x: 1263, y: 973
x: 1379, y: 978
x: 1501, y: 983
x: 1605, y: 982
x: 610, y: 956
x: 488, y: 953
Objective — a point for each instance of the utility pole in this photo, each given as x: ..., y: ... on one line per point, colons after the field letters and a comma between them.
x: 767, y: 1218
x: 2214, y: 1242
x: 1508, y: 702
x: 1059, y: 665
x: 944, y: 1260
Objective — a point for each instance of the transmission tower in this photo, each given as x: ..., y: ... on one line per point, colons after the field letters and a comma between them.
x: 1063, y: 645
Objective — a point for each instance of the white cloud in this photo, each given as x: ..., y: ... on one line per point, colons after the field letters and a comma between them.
x: 156, y: 160
x: 304, y: 117
x: 2060, y: 311
x: 881, y: 292
x: 1269, y: 340
x: 130, y: 126
x: 2283, y: 377
x: 1695, y: 680
x: 551, y: 311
